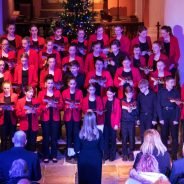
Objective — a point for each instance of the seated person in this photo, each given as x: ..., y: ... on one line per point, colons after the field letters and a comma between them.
x: 147, y: 171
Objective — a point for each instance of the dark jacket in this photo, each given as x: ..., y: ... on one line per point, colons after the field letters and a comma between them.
x: 7, y: 158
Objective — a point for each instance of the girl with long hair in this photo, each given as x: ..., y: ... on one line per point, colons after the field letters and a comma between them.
x: 90, y: 151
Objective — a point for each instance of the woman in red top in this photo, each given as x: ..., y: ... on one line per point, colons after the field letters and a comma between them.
x: 112, y: 122
x: 126, y: 75
x: 25, y: 74
x: 91, y: 57
x: 28, y: 111
x: 15, y: 40
x: 51, y: 68
x: 8, y: 119
x: 72, y: 99
x: 100, y: 36
x: 139, y: 61
x: 100, y: 78
x: 5, y: 75
x: 60, y: 41
x: 124, y: 40
x: 93, y: 102
x: 49, y: 51
x: 73, y: 56
x: 51, y: 105
x: 33, y: 55
x: 157, y: 56
x: 157, y: 78
x: 7, y: 54
x: 171, y: 47
x: 36, y: 42
x: 81, y: 43
x: 144, y: 41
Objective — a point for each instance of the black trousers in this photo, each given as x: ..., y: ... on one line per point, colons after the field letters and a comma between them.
x: 72, y: 133
x: 109, y: 142
x: 31, y: 140
x: 7, y: 131
x: 145, y: 124
x: 128, y: 135
x: 50, y: 136
x: 169, y: 127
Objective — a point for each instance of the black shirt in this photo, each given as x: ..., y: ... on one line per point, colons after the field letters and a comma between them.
x: 92, y: 105
x: 136, y: 63
x: 147, y: 105
x: 118, y: 62
x: 12, y: 43
x: 163, y: 101
x: 29, y: 117
x: 98, y: 88
x: 144, y: 46
x: 7, y: 115
x: 24, y: 77
x: 167, y: 48
x: 108, y: 107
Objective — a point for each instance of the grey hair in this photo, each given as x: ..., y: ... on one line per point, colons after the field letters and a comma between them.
x: 19, y: 168
x: 19, y: 138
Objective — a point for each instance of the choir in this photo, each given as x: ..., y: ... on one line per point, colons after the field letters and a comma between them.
x: 124, y: 82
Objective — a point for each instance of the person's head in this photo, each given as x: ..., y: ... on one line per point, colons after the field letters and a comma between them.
x: 29, y: 92
x: 129, y: 91
x: 118, y: 30
x: 19, y: 139
x: 152, y: 141
x: 96, y: 46
x: 91, y: 89
x: 72, y: 49
x: 74, y: 67
x: 147, y: 163
x: 19, y: 168
x: 24, y: 59
x: 33, y: 30
x: 99, y: 63
x: 99, y: 30
x: 89, y: 131
x: 169, y: 82
x: 126, y: 63
x: 160, y: 66
x: 6, y: 87
x: 156, y: 47
x: 81, y: 33
x: 165, y: 31
x: 142, y: 31
x: 137, y: 50
x: 2, y: 65
x: 115, y: 46
x: 49, y: 44
x: 26, y: 42
x: 4, y: 44
x: 51, y: 61
x: 143, y: 85
x: 58, y: 31
x: 72, y: 83
x: 49, y: 82
x: 24, y: 181
x: 10, y: 28
x: 111, y: 92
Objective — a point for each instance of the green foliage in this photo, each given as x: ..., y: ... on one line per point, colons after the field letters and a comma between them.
x: 76, y: 14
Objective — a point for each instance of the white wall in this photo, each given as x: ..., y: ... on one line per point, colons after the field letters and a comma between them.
x: 174, y: 16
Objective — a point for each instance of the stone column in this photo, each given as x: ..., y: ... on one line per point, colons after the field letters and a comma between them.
x: 1, y: 16
x: 173, y: 16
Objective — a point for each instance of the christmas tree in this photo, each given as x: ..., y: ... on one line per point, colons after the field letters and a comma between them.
x: 76, y: 14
